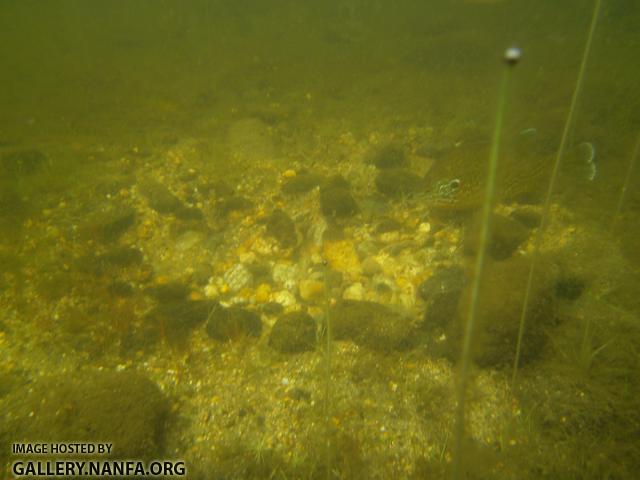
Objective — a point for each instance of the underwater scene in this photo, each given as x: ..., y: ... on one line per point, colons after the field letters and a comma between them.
x: 341, y: 239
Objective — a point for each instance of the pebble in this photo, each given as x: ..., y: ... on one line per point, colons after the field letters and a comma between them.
x: 237, y: 277
x: 211, y: 291
x: 354, y: 291
x: 284, y: 298
x: 286, y: 275
x: 263, y: 293
x: 311, y: 289
x: 424, y: 227
x: 370, y: 267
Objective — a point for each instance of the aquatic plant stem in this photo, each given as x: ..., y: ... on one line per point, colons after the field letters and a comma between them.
x: 327, y: 379
x: 465, y: 361
x: 552, y: 181
x: 627, y: 180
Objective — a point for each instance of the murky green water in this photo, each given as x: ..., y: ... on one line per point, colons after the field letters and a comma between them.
x: 259, y: 220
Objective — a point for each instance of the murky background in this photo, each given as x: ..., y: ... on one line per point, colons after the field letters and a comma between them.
x: 189, y: 190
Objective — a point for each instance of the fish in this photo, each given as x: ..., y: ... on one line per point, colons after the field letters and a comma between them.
x: 457, y: 181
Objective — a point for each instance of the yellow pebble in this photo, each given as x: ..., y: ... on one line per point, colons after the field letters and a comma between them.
x: 289, y: 173
x: 195, y: 296
x: 263, y: 293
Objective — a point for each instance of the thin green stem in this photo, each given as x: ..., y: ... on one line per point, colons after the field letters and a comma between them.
x: 552, y: 181
x: 487, y: 206
x: 627, y: 180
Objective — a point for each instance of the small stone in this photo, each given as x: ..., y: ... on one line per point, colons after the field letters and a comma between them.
x: 372, y: 325
x: 231, y: 323
x: 342, y: 257
x: 389, y: 156
x: 424, y: 227
x: 281, y: 227
x: 293, y: 332
x: 311, y: 289
x: 263, y: 293
x: 211, y: 291
x: 370, y: 267
x: 237, y: 277
x: 301, y: 183
x: 506, y: 236
x: 284, y: 298
x: 354, y: 291
x: 390, y: 237
x: 285, y: 274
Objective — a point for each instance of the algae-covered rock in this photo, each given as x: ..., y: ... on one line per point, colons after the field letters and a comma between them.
x: 389, y: 156
x: 293, y: 332
x: 231, y: 323
x: 281, y: 227
x: 301, y: 183
x: 122, y: 408
x: 441, y: 292
x: 22, y: 163
x: 163, y: 201
x: 506, y: 236
x: 177, y: 318
x: 337, y: 201
x: 234, y: 204
x: 371, y: 324
x: 499, y: 309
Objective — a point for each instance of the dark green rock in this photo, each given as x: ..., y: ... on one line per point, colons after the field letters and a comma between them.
x: 163, y: 201
x: 234, y: 204
x: 118, y: 288
x: 389, y: 156
x: 337, y: 202
x: 281, y: 227
x: 23, y: 163
x: 301, y: 183
x: 505, y: 236
x: 397, y: 182
x: 293, y: 332
x: 232, y: 323
x: 120, y: 257
x: 528, y: 218
x: 116, y: 224
x: 336, y: 181
x: 372, y: 325
x: 442, y: 293
x: 498, y: 312
x: 388, y: 225
x: 570, y: 287
x: 123, y: 408
x: 160, y: 198
x: 272, y: 308
x: 176, y: 319
x: 169, y: 292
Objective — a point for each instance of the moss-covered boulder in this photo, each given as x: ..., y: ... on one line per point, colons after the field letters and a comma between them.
x: 499, y: 309
x: 123, y: 408
x: 336, y: 200
x: 389, y: 156
x: 163, y: 201
x: 372, y: 325
x: 232, y: 323
x: 281, y: 227
x: 22, y: 163
x: 293, y: 332
x: 506, y: 236
x: 301, y: 183
x: 441, y: 292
